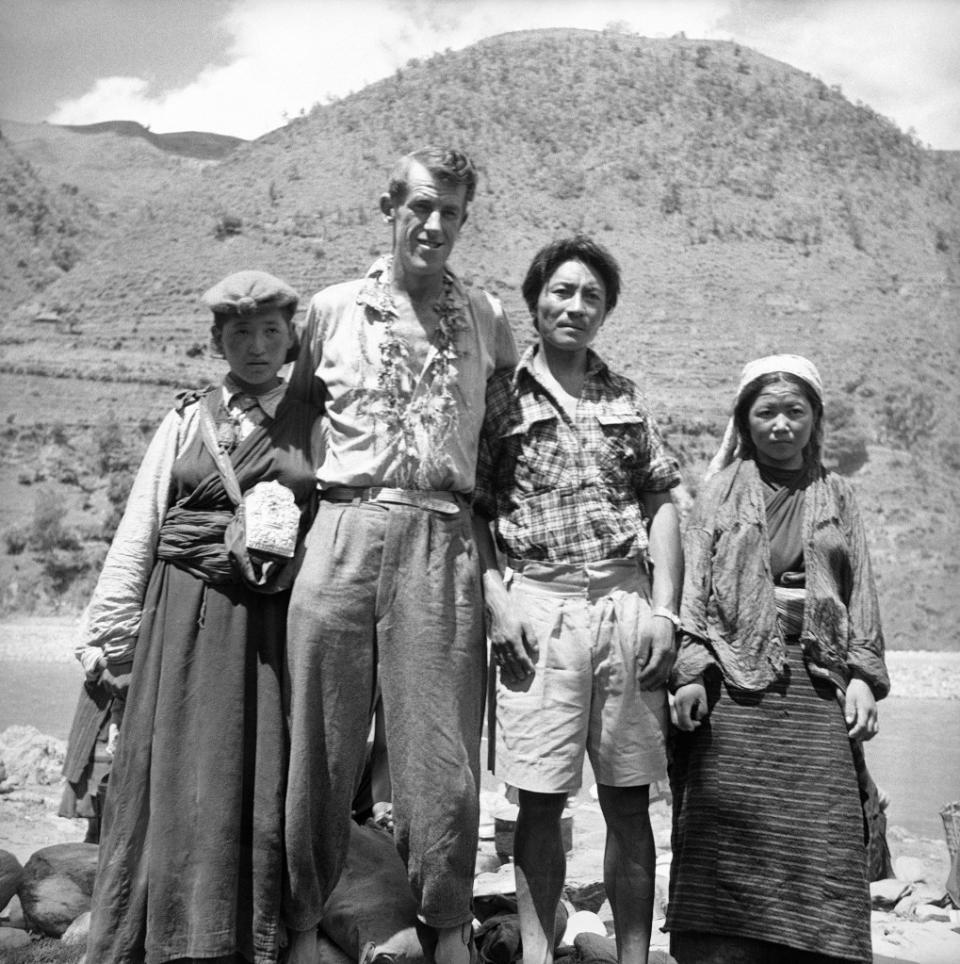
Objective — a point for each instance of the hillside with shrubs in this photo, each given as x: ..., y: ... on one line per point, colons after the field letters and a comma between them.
x: 752, y: 208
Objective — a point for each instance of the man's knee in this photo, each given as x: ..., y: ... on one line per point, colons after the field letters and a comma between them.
x: 624, y: 805
x: 541, y: 808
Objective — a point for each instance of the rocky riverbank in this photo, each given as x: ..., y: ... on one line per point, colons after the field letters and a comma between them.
x: 908, y: 924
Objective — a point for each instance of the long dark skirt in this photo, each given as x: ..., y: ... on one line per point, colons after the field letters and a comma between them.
x: 191, y: 853
x: 768, y: 835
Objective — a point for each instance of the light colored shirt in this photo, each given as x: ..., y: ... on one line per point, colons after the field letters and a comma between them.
x: 387, y: 423
x: 248, y: 410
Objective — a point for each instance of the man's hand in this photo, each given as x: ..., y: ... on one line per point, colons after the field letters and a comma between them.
x: 115, y: 678
x: 657, y: 641
x: 690, y: 706
x: 860, y: 711
x: 513, y: 646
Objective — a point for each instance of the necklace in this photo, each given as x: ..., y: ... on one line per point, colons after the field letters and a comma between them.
x: 419, y: 421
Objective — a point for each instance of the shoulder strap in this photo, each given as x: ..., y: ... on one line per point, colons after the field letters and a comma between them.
x: 208, y: 431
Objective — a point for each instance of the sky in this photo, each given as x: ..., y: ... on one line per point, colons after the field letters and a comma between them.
x: 242, y: 67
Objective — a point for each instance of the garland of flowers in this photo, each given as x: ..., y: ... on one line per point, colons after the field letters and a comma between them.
x: 421, y: 423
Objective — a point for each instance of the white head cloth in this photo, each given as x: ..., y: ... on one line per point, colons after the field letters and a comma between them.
x: 796, y: 365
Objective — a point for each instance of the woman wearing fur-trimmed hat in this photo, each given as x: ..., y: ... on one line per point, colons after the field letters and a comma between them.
x: 188, y: 621
x: 779, y: 670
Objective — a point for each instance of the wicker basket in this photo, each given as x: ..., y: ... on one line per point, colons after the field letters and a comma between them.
x: 950, y: 815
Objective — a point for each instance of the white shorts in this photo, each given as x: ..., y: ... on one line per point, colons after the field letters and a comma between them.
x: 585, y: 695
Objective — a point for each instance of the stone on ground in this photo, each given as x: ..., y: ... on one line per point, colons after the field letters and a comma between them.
x: 11, y: 873
x: 57, y: 885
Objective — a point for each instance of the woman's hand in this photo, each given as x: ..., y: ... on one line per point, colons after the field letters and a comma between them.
x: 690, y: 706
x: 860, y: 711
x: 116, y: 678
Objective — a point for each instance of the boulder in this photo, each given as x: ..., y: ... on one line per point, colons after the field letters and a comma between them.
x: 12, y: 938
x: 76, y: 933
x: 57, y: 885
x: 585, y: 895
x: 11, y: 873
x: 486, y: 863
x: 13, y: 914
x: 584, y: 922
x: 910, y: 868
x: 886, y: 894
x: 31, y: 757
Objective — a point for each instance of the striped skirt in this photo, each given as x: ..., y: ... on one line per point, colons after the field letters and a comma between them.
x: 768, y: 834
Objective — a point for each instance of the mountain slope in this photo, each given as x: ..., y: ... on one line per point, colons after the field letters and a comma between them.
x: 752, y: 208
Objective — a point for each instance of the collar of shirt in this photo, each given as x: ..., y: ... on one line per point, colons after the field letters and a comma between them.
x: 377, y: 291
x: 269, y: 401
x: 596, y: 367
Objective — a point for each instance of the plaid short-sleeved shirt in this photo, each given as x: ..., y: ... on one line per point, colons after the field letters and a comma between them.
x: 569, y: 490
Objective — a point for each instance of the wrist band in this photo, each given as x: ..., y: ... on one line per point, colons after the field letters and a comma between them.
x: 667, y: 614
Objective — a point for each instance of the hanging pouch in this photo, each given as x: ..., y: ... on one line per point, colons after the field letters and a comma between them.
x: 262, y: 537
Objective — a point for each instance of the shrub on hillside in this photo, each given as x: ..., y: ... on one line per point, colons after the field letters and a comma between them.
x: 227, y: 225
x: 113, y: 454
x: 845, y: 438
x: 47, y: 531
x: 908, y: 416
x: 118, y: 490
x: 15, y: 540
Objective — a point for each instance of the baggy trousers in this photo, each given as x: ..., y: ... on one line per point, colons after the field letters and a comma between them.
x: 390, y: 593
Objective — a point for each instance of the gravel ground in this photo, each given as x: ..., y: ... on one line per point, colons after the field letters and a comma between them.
x: 914, y: 674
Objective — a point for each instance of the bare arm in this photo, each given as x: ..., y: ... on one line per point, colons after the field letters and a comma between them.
x: 657, y: 633
x: 513, y: 648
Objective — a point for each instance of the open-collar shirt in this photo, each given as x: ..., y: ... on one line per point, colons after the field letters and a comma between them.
x: 341, y: 365
x: 568, y: 489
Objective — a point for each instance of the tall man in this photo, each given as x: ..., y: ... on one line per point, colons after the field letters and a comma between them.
x: 573, y: 470
x: 389, y: 590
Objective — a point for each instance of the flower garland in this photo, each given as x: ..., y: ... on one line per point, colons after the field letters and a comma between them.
x: 420, y: 421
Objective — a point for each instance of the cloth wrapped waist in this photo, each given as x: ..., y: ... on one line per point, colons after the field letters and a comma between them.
x: 192, y: 540
x: 439, y: 500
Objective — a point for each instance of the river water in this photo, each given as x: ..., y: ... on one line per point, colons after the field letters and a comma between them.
x: 915, y: 758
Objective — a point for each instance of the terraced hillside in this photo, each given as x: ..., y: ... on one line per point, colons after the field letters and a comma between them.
x: 752, y: 208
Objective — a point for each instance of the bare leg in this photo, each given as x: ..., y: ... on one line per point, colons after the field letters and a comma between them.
x: 629, y: 866
x: 540, y: 867
x: 453, y: 945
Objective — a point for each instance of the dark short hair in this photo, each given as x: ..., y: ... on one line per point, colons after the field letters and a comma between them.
x: 577, y: 248
x: 741, y: 415
x: 446, y: 164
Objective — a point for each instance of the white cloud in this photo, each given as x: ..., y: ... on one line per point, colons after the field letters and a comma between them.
x: 287, y: 55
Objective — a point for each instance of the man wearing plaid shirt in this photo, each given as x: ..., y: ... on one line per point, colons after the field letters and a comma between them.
x: 573, y: 472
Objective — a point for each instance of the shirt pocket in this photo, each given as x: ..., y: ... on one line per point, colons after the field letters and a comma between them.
x: 531, y: 456
x: 622, y: 448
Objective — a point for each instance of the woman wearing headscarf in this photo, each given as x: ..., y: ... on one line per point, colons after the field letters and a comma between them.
x: 779, y: 669
x: 193, y: 596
